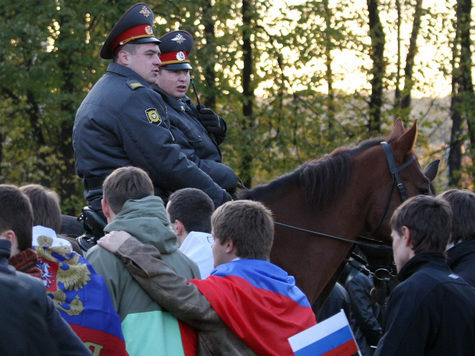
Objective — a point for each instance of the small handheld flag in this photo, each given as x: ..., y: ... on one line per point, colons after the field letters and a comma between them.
x: 331, y: 337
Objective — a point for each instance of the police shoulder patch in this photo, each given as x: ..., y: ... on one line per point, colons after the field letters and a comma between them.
x: 153, y: 117
x: 133, y: 84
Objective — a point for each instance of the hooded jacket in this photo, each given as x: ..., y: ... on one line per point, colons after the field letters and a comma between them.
x: 147, y: 328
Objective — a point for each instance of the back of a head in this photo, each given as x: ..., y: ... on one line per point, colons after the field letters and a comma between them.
x: 45, y: 205
x: 462, y: 202
x: 248, y: 224
x: 16, y: 214
x: 192, y: 207
x: 428, y: 218
x: 126, y: 183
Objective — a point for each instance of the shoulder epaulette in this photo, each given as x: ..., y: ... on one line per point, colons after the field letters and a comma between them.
x: 133, y: 84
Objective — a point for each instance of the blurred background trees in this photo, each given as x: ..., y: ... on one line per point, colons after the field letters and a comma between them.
x: 294, y: 80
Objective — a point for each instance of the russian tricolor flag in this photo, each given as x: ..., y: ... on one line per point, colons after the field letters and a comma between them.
x: 331, y: 337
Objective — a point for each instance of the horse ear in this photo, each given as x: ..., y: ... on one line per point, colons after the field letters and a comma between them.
x: 398, y: 129
x: 432, y: 169
x: 406, y: 142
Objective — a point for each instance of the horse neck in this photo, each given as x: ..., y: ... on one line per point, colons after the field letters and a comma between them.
x: 312, y: 259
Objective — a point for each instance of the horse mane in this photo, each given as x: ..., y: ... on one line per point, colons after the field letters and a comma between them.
x: 323, y: 180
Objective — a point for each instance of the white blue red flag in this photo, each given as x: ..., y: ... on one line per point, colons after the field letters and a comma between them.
x: 259, y: 302
x: 331, y: 337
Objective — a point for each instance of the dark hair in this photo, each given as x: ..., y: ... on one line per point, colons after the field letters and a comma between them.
x: 192, y: 207
x: 462, y: 202
x: 16, y: 214
x: 45, y: 205
x: 428, y: 218
x: 126, y: 183
x: 248, y: 224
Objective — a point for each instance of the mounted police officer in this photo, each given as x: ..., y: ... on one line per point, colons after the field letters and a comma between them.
x: 197, y: 129
x: 123, y: 121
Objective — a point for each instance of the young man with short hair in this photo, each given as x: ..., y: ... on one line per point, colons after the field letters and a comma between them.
x: 30, y: 323
x: 247, y: 306
x: 189, y: 211
x: 432, y: 310
x: 131, y: 208
x: 461, y: 254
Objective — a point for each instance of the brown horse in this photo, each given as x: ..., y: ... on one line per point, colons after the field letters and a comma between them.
x: 344, y: 194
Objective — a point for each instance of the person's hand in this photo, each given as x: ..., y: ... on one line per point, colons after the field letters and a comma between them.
x: 112, y: 241
x: 213, y: 123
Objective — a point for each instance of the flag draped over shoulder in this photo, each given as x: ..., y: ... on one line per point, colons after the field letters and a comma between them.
x: 259, y: 302
x: 81, y: 296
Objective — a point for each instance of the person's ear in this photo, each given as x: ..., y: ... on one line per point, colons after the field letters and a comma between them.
x: 229, y: 246
x: 106, y: 209
x: 406, y: 235
x: 178, y: 227
x: 10, y: 235
x: 123, y: 57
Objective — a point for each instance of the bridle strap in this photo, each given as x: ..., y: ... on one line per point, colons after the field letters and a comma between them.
x: 356, y: 242
x: 394, y: 169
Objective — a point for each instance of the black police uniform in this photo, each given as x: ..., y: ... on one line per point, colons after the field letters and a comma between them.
x: 190, y: 124
x: 195, y: 141
x: 123, y: 122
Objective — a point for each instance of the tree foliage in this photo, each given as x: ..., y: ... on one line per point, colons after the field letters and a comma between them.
x: 275, y: 71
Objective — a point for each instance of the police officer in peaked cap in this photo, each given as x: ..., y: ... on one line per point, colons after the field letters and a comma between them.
x: 197, y: 129
x: 123, y: 121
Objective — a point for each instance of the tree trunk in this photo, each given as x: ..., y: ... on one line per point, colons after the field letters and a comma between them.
x: 397, y: 94
x: 329, y: 74
x: 209, y: 72
x: 248, y: 94
x: 411, y: 54
x: 462, y: 98
x: 377, y: 71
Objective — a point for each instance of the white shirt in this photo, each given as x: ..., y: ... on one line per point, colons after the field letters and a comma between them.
x: 197, y: 247
x: 39, y: 230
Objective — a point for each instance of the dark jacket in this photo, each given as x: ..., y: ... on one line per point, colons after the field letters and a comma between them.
x: 123, y: 122
x: 431, y: 312
x: 364, y: 313
x: 461, y: 260
x: 195, y: 141
x: 30, y: 323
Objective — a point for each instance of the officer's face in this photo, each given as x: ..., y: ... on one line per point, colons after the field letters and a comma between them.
x: 145, y: 61
x: 174, y: 82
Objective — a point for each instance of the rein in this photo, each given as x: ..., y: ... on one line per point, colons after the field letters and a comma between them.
x: 377, y: 244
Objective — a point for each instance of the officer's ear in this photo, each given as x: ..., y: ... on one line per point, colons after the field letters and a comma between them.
x: 123, y: 57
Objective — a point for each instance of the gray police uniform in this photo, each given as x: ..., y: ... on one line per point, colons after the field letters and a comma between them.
x: 195, y: 141
x: 122, y: 122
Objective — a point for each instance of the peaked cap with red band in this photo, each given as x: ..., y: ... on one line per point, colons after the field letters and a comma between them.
x: 135, y: 26
x: 175, y: 47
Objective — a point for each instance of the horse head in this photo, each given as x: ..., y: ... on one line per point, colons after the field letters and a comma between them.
x: 400, y: 179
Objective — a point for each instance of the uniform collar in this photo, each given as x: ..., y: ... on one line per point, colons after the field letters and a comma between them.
x: 126, y: 72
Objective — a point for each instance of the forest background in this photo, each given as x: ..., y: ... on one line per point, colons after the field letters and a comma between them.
x: 294, y: 80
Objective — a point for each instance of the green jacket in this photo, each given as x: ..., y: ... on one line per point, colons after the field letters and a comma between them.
x: 148, y: 330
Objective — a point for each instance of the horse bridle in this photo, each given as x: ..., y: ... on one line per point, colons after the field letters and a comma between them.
x: 396, y: 181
